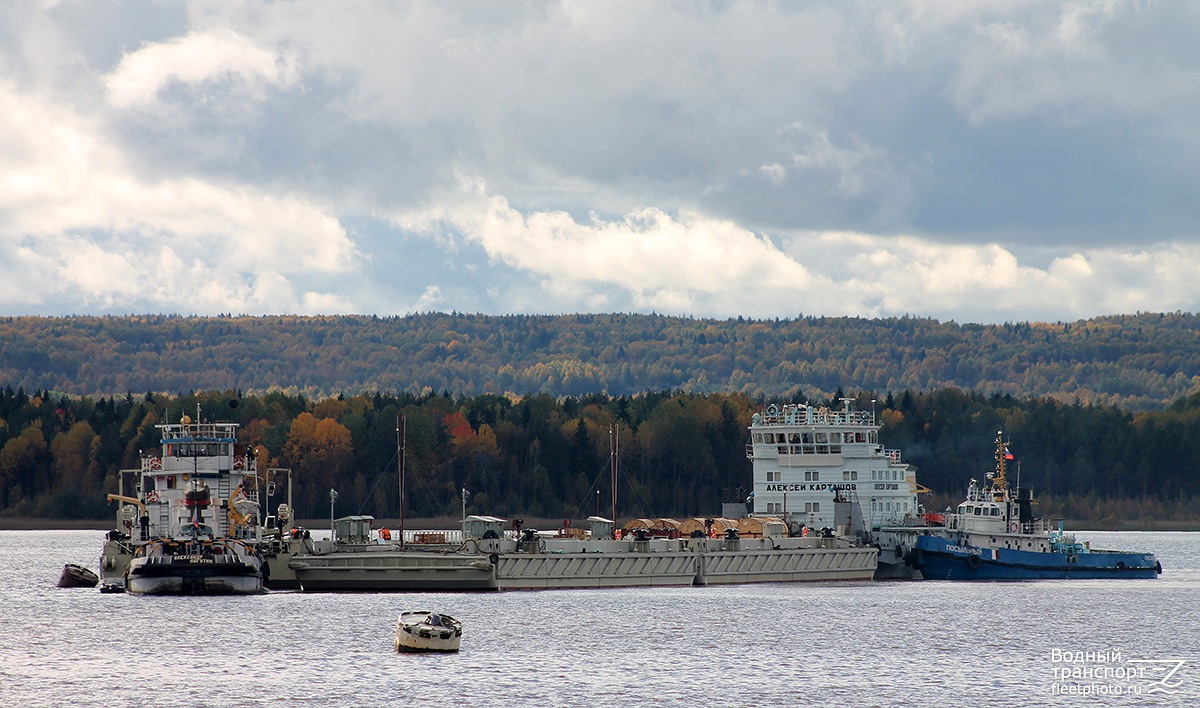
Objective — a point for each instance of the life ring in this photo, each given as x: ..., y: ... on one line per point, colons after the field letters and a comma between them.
x: 239, y: 462
x: 155, y: 463
x: 973, y: 561
x: 151, y: 497
x: 1013, y: 527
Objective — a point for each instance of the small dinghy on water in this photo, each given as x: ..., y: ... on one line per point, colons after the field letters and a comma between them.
x: 427, y: 632
x: 76, y: 576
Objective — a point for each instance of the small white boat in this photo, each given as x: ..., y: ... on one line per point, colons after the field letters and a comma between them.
x: 427, y: 631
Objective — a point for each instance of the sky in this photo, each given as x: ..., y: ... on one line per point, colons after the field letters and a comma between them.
x: 970, y: 161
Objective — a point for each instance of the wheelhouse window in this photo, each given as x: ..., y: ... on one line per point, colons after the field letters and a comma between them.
x: 198, y: 449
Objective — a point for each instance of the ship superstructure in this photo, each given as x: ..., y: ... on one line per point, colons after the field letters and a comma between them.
x: 200, y: 455
x: 189, y: 517
x: 807, y: 458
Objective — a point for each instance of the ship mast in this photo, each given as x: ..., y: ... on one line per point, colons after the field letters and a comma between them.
x: 612, y: 443
x: 401, y: 425
x: 999, y: 484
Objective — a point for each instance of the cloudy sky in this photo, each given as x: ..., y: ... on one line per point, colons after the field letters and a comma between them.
x: 974, y: 161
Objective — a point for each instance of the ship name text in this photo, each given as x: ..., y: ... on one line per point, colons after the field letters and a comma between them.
x: 814, y: 487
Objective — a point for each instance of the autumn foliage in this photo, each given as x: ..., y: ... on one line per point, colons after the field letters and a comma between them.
x: 680, y: 454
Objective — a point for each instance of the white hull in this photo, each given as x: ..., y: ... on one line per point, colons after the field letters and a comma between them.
x: 411, y: 643
x: 787, y: 566
x: 415, y: 634
x: 542, y: 571
x: 665, y: 562
x: 114, y: 564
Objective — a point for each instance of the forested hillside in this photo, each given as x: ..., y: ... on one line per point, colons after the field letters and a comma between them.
x: 539, y: 456
x: 1138, y: 362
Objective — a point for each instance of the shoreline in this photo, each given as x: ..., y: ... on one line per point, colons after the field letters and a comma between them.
x: 441, y: 523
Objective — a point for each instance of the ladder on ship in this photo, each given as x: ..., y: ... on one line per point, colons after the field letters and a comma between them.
x: 221, y: 508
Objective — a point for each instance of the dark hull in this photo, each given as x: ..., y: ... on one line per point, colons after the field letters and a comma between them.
x: 394, y: 580
x: 76, y: 576
x: 184, y: 578
x: 941, y: 559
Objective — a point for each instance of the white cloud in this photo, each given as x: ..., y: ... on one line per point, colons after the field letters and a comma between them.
x: 774, y: 172
x: 1046, y: 60
x: 212, y: 57
x: 977, y: 161
x: 848, y: 167
x: 989, y: 283
x: 431, y: 299
x: 660, y: 261
x: 74, y: 211
x: 96, y: 271
x: 693, y: 263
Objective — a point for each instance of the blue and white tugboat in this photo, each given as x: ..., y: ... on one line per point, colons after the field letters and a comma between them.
x: 993, y: 536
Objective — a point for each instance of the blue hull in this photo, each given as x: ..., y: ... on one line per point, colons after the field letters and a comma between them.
x: 941, y: 559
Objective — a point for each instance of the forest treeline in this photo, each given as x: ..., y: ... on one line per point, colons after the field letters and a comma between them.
x: 680, y: 453
x: 1139, y: 362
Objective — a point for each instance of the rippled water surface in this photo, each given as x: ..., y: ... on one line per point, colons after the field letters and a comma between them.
x: 837, y: 644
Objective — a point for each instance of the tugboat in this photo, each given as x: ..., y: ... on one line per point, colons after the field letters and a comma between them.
x: 195, y: 562
x: 993, y: 536
x: 189, y: 517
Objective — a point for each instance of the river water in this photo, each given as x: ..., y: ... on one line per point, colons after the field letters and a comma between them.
x: 931, y: 643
